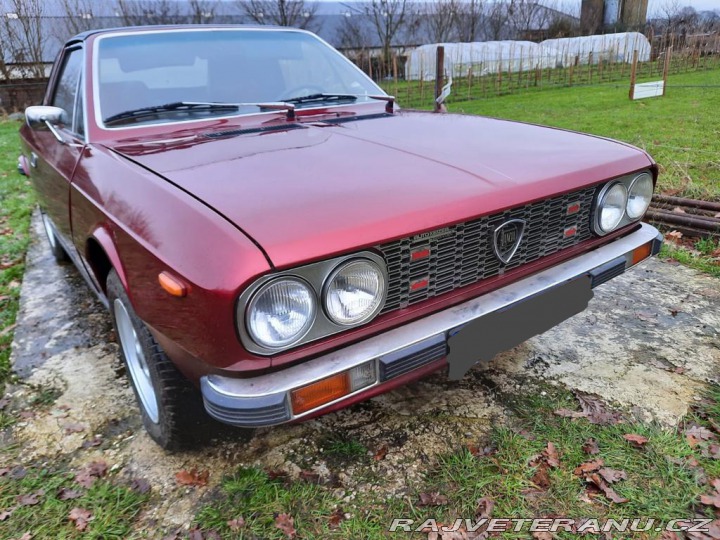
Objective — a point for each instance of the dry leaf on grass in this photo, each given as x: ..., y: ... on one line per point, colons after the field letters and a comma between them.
x: 595, y: 409
x: 484, y: 508
x: 551, y: 456
x: 432, y: 499
x: 636, y: 440
x: 30, y: 499
x: 612, y: 475
x: 193, y: 477
x: 609, y: 492
x: 4, y: 514
x: 336, y: 518
x: 567, y: 413
x: 541, y: 478
x: 588, y: 467
x: 285, y: 523
x: 236, y: 524
x: 590, y: 447
x: 80, y: 517
x: 66, y: 494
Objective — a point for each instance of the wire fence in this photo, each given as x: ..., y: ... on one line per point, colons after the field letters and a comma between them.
x: 528, y: 74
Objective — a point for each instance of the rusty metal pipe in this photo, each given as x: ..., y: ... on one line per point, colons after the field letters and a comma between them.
x: 712, y: 226
x: 680, y: 201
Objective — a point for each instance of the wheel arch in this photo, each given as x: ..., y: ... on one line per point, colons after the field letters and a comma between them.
x: 102, y: 256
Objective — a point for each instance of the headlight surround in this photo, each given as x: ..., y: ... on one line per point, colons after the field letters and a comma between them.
x: 639, y: 196
x: 610, y: 208
x: 281, y: 312
x: 354, y: 292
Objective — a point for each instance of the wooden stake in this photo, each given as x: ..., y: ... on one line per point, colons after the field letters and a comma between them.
x: 633, y: 73
x: 439, y: 76
x: 666, y: 68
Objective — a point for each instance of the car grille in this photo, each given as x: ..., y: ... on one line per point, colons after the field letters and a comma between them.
x: 462, y: 254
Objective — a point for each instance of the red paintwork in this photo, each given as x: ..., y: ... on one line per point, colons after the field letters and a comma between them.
x: 218, y: 213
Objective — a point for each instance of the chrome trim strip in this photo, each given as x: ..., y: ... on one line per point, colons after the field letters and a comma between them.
x: 373, y: 348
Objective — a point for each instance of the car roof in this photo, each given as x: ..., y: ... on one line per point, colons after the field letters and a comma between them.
x: 129, y: 29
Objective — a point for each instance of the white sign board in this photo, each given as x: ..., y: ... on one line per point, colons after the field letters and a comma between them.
x: 649, y: 89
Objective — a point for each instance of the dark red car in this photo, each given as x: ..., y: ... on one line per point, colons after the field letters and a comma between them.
x: 275, y: 239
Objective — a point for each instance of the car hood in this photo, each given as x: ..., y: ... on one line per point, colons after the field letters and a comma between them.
x: 311, y: 190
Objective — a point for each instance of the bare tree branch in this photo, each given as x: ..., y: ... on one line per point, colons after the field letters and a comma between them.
x: 23, y: 37
x: 297, y: 13
x: 142, y: 12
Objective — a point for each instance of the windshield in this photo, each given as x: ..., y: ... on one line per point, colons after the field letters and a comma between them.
x: 146, y: 71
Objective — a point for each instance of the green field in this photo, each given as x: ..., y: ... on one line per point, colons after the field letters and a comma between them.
x: 681, y: 130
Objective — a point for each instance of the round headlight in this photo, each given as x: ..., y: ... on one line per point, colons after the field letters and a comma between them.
x: 639, y: 196
x: 355, y: 292
x: 281, y: 312
x: 611, y: 208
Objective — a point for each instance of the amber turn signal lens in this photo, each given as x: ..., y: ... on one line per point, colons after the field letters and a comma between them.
x: 316, y: 394
x: 641, y: 253
x: 172, y: 285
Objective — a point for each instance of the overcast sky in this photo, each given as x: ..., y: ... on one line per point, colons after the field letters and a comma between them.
x: 699, y: 5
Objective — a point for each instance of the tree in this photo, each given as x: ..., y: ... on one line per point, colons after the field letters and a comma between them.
x: 142, y: 12
x: 297, y: 13
x: 203, y: 11
x: 440, y: 19
x: 388, y: 20
x: 78, y: 17
x: 23, y: 37
x: 469, y: 20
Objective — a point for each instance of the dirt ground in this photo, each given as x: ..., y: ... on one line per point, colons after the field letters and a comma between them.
x: 649, y: 342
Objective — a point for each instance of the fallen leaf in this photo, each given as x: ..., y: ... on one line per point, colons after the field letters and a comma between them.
x: 80, y: 517
x: 310, y: 476
x: 236, y: 524
x: 285, y: 523
x: 26, y: 536
x: 381, y: 453
x: 484, y: 508
x: 432, y: 499
x: 30, y: 499
x: 65, y: 494
x: 4, y: 402
x: 609, y: 492
x: 697, y: 433
x: 567, y: 413
x: 588, y: 467
x: 678, y: 210
x: 541, y: 478
x: 336, y: 518
x: 636, y: 440
x: 712, y: 451
x: 4, y: 471
x: 73, y: 427
x: 7, y: 513
x: 86, y: 477
x: 551, y: 456
x: 192, y: 477
x: 543, y: 535
x: 711, y: 500
x: 590, y: 447
x: 669, y: 535
x: 612, y: 475
x: 140, y: 485
x: 673, y: 235
x: 95, y: 441
x: 18, y: 473
x: 595, y: 409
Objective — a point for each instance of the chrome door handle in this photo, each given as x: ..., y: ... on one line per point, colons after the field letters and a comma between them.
x: 33, y: 160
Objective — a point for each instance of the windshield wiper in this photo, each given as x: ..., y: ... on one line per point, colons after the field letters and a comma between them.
x: 321, y: 97
x: 174, y: 107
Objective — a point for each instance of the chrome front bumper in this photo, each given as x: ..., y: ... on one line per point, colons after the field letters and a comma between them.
x: 265, y: 400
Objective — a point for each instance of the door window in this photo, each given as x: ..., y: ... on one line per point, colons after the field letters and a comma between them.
x: 66, y: 92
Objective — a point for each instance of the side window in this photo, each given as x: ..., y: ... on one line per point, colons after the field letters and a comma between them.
x: 67, y: 86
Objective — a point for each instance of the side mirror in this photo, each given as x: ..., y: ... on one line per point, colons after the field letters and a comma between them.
x: 45, y: 118
x: 40, y: 116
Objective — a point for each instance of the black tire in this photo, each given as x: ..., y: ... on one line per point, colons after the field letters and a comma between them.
x: 181, y: 420
x: 58, y: 252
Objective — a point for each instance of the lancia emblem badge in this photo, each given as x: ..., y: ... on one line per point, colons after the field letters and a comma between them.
x: 507, y: 238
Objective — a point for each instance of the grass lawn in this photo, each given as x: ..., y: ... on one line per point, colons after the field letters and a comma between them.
x: 681, y: 130
x: 514, y: 473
